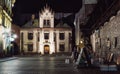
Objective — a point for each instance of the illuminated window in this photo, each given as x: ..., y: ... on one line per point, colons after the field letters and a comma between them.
x: 30, y: 36
x: 61, y: 36
x: 30, y: 47
x: 46, y: 35
x: 62, y: 47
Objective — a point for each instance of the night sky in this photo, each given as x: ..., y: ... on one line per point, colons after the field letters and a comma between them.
x: 34, y: 6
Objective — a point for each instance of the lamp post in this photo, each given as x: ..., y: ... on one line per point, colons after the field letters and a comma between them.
x: 81, y: 46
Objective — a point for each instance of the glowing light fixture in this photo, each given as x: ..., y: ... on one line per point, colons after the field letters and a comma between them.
x: 12, y: 39
x: 14, y: 36
x: 81, y: 41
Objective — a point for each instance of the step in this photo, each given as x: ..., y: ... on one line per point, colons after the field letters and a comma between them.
x: 108, y: 67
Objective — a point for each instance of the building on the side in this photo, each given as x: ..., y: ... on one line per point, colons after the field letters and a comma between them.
x: 15, y: 30
x: 5, y: 25
x: 44, y: 36
x: 81, y: 18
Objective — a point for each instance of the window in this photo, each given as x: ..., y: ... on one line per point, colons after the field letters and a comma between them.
x: 62, y: 47
x: 3, y: 22
x: 30, y: 47
x: 22, y: 35
x: 46, y: 23
x: 115, y: 44
x: 30, y: 36
x: 70, y: 38
x: 61, y: 36
x: 38, y: 37
x: 55, y: 37
x: 46, y: 35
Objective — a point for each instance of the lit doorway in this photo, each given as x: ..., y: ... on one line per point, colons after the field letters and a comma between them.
x: 46, y: 49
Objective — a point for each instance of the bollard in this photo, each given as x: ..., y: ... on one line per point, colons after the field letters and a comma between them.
x: 67, y: 61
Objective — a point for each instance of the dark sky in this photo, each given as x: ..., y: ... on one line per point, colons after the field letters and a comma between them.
x: 34, y: 6
x: 26, y: 6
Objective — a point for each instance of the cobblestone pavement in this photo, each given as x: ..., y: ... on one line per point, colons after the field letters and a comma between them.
x: 44, y: 65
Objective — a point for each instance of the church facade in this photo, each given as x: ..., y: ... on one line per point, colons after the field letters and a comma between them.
x: 44, y: 36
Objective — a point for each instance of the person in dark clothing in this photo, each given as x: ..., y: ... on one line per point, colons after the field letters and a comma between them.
x: 75, y: 53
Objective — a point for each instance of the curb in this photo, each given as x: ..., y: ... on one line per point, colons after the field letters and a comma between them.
x: 7, y: 59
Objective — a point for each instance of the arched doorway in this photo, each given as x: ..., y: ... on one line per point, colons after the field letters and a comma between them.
x: 46, y: 49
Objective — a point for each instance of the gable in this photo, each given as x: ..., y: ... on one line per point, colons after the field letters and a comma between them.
x: 46, y: 12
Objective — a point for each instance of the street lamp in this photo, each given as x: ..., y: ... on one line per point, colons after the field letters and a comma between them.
x: 81, y: 45
x: 14, y: 36
x: 11, y: 39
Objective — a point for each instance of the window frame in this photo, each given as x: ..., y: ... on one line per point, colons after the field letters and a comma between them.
x: 61, y: 37
x: 46, y: 36
x: 46, y: 23
x: 30, y: 47
x: 62, y: 47
x: 30, y: 35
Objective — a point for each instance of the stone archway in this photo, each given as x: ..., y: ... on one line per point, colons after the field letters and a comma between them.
x: 46, y: 49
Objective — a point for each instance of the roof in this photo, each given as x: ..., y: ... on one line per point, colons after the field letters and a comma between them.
x: 32, y: 23
x: 35, y: 23
x: 62, y: 25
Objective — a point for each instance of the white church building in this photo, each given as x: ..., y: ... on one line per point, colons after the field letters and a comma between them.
x: 43, y: 36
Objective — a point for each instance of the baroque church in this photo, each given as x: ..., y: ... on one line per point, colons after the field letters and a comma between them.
x: 44, y: 36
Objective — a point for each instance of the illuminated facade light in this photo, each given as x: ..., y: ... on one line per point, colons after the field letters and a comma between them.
x: 14, y: 36
x: 12, y: 39
x: 5, y: 24
x: 81, y: 41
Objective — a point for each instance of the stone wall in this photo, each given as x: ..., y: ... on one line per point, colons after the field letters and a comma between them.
x: 111, y: 30
x: 108, y: 37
